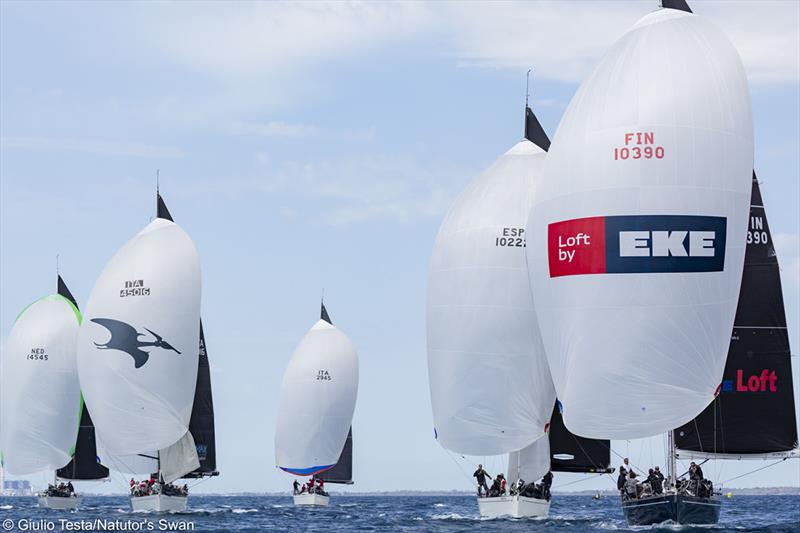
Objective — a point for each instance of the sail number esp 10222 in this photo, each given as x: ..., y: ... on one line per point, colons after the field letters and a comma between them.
x: 511, y: 237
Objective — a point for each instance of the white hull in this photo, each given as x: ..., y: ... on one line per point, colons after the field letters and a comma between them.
x: 159, y: 503
x: 59, y: 502
x: 311, y: 500
x: 513, y: 507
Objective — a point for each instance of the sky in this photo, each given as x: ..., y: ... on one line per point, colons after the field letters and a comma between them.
x: 317, y: 145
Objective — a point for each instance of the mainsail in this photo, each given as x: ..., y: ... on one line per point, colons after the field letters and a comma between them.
x: 342, y: 471
x: 571, y: 453
x: 85, y: 463
x: 201, y: 424
x: 754, y: 414
x: 317, y: 400
x: 41, y: 398
x: 636, y: 241
x: 491, y: 390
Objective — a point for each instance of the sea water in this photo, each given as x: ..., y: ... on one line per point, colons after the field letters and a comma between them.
x: 377, y: 513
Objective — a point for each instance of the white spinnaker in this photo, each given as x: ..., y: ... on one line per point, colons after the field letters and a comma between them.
x: 41, y: 398
x: 149, y: 295
x: 491, y: 389
x: 636, y: 354
x: 530, y: 463
x: 317, y: 400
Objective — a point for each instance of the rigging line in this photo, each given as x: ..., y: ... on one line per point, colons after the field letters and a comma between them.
x: 756, y: 470
x: 457, y: 464
x: 579, y: 480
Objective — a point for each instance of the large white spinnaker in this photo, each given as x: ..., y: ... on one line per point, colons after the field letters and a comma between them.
x: 41, y: 398
x: 317, y: 400
x: 491, y: 390
x: 636, y: 242
x: 138, y: 346
x: 530, y: 463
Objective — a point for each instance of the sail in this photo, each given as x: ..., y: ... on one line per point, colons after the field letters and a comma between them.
x: 530, y: 463
x: 41, y: 398
x: 754, y: 415
x: 85, y: 463
x: 179, y: 459
x: 491, y: 390
x: 571, y: 453
x: 138, y: 347
x: 317, y: 400
x: 342, y: 471
x: 201, y: 424
x: 636, y: 240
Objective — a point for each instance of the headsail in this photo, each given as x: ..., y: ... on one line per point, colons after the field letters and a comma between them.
x: 317, y: 400
x: 138, y: 347
x: 530, y: 463
x: 41, y: 398
x: 481, y: 326
x: 754, y: 414
x: 636, y: 242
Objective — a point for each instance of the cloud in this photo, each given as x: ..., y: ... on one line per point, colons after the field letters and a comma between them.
x: 564, y: 40
x: 277, y: 128
x: 90, y: 147
x: 351, y: 188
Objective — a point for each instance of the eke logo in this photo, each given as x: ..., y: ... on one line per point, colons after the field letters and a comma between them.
x: 636, y: 244
x: 125, y: 338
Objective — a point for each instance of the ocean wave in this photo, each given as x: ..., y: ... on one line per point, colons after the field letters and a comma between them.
x: 242, y: 511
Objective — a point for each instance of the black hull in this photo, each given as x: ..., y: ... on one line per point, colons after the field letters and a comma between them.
x: 677, y: 508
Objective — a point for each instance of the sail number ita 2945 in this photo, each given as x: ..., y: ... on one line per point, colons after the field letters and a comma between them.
x: 323, y: 375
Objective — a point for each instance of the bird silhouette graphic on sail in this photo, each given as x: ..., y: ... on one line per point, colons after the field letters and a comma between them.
x: 125, y: 338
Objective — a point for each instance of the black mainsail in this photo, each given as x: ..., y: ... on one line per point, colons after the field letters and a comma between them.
x: 201, y: 423
x: 342, y: 471
x: 568, y: 452
x: 571, y: 453
x: 753, y: 416
x: 84, y: 464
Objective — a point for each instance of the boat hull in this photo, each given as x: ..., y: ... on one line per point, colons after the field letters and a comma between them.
x: 311, y: 500
x: 677, y: 508
x: 512, y: 507
x: 59, y: 502
x: 159, y: 503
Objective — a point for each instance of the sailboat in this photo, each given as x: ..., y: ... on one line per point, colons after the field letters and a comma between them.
x: 46, y: 426
x: 637, y: 243
x: 491, y: 390
x: 313, y: 435
x: 139, y: 357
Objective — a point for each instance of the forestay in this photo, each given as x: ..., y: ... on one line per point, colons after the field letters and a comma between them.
x: 41, y: 398
x: 491, y: 390
x: 138, y: 347
x: 636, y: 242
x: 317, y: 400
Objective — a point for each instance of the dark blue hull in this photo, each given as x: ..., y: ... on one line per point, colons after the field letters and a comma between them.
x: 677, y: 508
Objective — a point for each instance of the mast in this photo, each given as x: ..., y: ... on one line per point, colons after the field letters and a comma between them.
x: 671, y: 465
